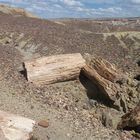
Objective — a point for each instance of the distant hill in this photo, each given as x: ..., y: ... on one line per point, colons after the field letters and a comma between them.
x: 15, y: 11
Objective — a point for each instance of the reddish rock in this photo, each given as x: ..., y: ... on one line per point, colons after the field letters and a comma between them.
x: 43, y: 123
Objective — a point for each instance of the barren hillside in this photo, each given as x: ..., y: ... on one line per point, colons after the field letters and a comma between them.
x: 67, y: 106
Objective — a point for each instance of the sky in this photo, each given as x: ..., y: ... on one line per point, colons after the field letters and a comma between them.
x: 79, y: 8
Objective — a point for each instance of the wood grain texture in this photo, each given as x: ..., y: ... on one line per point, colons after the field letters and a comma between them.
x: 53, y: 69
x: 107, y: 88
x: 104, y: 68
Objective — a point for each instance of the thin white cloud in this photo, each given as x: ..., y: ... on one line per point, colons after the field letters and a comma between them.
x: 110, y: 10
x: 72, y: 2
x: 136, y: 1
x: 57, y: 6
x: 100, y: 11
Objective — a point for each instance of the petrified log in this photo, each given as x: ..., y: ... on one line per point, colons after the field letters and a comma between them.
x: 131, y: 120
x: 104, y: 68
x: 107, y: 88
x: 14, y: 127
x: 110, y: 92
x: 54, y: 68
x: 104, y: 75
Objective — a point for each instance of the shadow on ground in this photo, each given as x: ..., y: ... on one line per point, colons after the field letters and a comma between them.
x: 93, y: 92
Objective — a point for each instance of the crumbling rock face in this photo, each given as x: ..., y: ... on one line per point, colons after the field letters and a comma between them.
x: 131, y: 120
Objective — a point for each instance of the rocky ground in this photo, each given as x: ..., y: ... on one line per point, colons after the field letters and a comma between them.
x: 68, y: 107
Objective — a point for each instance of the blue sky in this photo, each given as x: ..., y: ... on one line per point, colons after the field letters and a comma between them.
x: 79, y: 8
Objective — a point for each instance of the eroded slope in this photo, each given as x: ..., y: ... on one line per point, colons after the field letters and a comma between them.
x: 71, y: 114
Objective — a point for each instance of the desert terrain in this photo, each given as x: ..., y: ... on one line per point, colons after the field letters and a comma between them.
x: 69, y: 107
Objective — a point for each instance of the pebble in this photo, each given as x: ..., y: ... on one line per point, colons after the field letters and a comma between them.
x: 92, y: 102
x: 134, y: 83
x: 43, y: 123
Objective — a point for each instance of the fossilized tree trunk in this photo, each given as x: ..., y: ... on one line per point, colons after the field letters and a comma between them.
x: 104, y: 75
x: 106, y: 87
x: 14, y: 127
x: 105, y: 69
x: 68, y: 66
x: 54, y: 68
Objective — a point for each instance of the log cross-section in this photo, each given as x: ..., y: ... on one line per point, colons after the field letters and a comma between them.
x: 47, y: 70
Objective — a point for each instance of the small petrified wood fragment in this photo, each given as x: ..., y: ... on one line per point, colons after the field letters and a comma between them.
x: 13, y: 127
